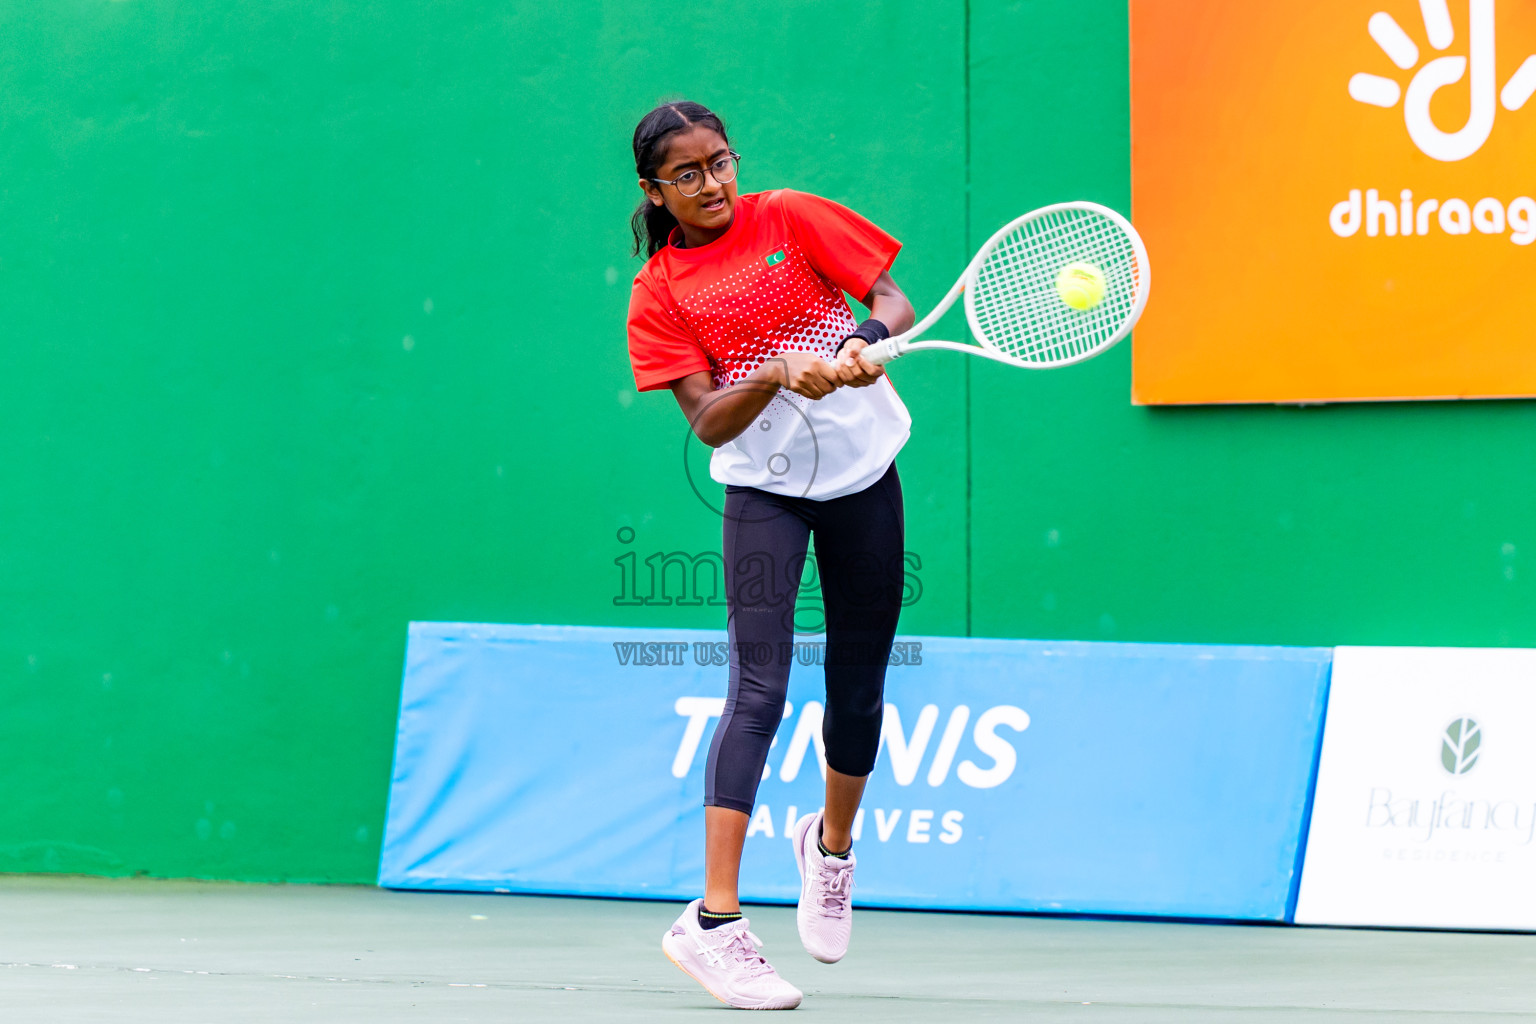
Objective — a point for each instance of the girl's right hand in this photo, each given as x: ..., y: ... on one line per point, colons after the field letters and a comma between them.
x: 805, y: 374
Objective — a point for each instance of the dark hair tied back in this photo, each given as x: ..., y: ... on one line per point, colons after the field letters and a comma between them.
x: 651, y: 224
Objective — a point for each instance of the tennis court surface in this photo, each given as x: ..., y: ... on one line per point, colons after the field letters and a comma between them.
x: 87, y: 949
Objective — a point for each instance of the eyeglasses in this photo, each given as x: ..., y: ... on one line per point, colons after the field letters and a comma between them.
x: 691, y: 183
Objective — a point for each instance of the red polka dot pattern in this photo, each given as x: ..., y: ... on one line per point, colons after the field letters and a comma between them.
x: 757, y: 311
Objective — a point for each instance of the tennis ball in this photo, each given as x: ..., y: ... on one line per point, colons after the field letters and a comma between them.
x: 1080, y: 285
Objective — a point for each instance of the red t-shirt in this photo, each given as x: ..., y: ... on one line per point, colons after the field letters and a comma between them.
x: 774, y: 281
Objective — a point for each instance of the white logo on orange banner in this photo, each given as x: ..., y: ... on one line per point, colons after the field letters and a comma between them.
x: 1379, y: 91
x: 1425, y: 811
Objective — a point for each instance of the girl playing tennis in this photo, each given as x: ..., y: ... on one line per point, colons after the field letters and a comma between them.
x: 739, y: 310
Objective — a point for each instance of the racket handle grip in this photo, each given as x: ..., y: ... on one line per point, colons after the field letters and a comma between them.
x: 881, y: 352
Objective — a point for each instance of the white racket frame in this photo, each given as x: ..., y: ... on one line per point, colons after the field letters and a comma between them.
x: 899, y: 345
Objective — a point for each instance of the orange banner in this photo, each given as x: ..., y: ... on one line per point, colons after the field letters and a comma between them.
x: 1336, y: 196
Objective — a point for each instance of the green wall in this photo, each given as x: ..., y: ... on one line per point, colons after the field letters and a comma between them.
x: 313, y: 326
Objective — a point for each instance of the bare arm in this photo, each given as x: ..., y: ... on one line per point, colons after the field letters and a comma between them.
x: 889, y: 305
x: 720, y: 416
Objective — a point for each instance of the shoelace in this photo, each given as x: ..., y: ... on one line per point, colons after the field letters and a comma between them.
x: 737, y: 949
x: 836, y: 886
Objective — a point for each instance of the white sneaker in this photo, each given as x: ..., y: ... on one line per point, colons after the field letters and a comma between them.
x: 726, y: 962
x: 825, y: 914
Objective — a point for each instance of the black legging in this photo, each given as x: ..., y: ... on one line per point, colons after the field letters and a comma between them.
x: 859, y: 550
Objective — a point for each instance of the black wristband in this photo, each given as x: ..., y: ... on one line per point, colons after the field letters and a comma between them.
x: 870, y: 330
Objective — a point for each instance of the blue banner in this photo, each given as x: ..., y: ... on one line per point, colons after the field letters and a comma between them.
x: 1148, y: 779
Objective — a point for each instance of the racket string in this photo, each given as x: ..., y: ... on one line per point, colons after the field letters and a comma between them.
x: 1015, y: 303
x: 1034, y: 325
x: 1023, y: 324
x: 1072, y: 235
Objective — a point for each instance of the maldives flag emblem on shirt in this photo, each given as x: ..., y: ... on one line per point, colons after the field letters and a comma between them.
x: 773, y: 259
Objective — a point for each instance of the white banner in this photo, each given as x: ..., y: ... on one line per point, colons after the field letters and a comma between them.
x: 1425, y: 812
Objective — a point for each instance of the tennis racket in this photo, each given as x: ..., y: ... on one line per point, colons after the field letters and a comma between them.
x: 1012, y: 300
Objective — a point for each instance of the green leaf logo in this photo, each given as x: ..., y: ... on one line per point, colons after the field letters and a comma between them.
x: 1459, y: 746
x: 773, y: 259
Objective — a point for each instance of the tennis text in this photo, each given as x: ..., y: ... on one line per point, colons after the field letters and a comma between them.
x: 992, y: 759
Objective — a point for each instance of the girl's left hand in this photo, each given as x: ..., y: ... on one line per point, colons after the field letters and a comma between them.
x: 854, y: 372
